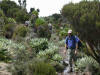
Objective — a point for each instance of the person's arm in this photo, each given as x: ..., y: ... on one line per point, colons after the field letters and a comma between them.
x: 76, y: 46
x: 76, y: 50
x: 65, y: 46
x: 77, y: 40
x: 65, y: 49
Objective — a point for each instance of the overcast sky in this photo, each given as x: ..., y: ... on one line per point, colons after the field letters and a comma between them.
x: 47, y: 7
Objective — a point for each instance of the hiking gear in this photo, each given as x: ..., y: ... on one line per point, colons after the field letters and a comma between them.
x: 70, y: 31
x: 80, y: 44
x: 69, y: 70
x: 72, y: 41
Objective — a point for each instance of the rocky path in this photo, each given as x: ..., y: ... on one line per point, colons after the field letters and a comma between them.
x: 61, y: 51
x: 3, y: 69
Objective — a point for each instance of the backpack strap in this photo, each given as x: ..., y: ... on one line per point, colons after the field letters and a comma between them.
x: 74, y: 38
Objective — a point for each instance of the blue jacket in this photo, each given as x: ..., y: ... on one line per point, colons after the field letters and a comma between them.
x: 71, y: 42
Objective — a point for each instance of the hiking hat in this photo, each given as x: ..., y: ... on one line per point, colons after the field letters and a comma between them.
x: 70, y: 31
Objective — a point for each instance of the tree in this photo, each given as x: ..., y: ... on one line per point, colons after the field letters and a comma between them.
x: 21, y: 16
x: 12, y: 12
x: 38, y: 10
x: 19, y: 2
x: 56, y: 16
x: 31, y: 10
x: 85, y: 19
x: 6, y: 5
x: 34, y: 16
x: 22, y: 4
x: 39, y: 21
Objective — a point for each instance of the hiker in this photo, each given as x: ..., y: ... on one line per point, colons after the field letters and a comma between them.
x: 71, y: 45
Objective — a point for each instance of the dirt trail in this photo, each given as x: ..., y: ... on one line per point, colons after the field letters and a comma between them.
x: 61, y: 51
x: 3, y: 69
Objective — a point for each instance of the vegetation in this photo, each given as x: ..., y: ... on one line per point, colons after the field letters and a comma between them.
x: 38, y: 44
x: 8, y: 30
x: 85, y: 18
x: 87, y: 63
x: 20, y: 31
x: 32, y: 47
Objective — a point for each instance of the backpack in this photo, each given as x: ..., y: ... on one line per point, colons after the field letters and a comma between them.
x: 79, y: 43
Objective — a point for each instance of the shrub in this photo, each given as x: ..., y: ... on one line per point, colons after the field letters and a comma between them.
x: 58, y: 66
x: 4, y: 55
x: 10, y: 45
x: 21, y: 16
x: 38, y: 44
x: 11, y: 20
x: 8, y: 30
x: 33, y: 68
x: 63, y: 33
x: 8, y: 49
x: 35, y: 13
x: 1, y: 13
x: 20, y: 31
x: 50, y: 54
x: 61, y: 43
x: 87, y: 61
x: 43, y: 31
x: 2, y: 18
x: 57, y: 57
x: 40, y: 21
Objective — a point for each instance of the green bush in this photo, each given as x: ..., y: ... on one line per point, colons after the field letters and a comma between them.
x: 2, y: 13
x: 10, y: 45
x: 43, y: 31
x: 21, y: 16
x: 39, y: 22
x: 63, y: 33
x: 61, y: 43
x: 35, y: 13
x: 38, y: 44
x: 8, y: 30
x: 58, y: 66
x: 57, y: 57
x: 87, y: 61
x: 11, y: 20
x: 4, y: 55
x: 8, y: 49
x: 2, y: 18
x: 20, y: 31
x: 50, y: 54
x: 33, y: 68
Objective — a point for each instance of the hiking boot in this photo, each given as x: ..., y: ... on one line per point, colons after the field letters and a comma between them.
x: 65, y: 63
x: 69, y: 70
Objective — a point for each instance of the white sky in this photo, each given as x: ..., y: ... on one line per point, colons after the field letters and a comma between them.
x: 47, y: 7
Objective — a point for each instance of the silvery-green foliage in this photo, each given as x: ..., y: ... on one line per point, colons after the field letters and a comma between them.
x: 61, y: 43
x: 10, y: 46
x: 11, y: 20
x: 50, y: 53
x: 57, y: 57
x: 38, y: 44
x: 51, y: 50
x: 86, y: 61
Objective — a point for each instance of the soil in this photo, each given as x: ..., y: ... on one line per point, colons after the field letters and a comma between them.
x: 3, y: 69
